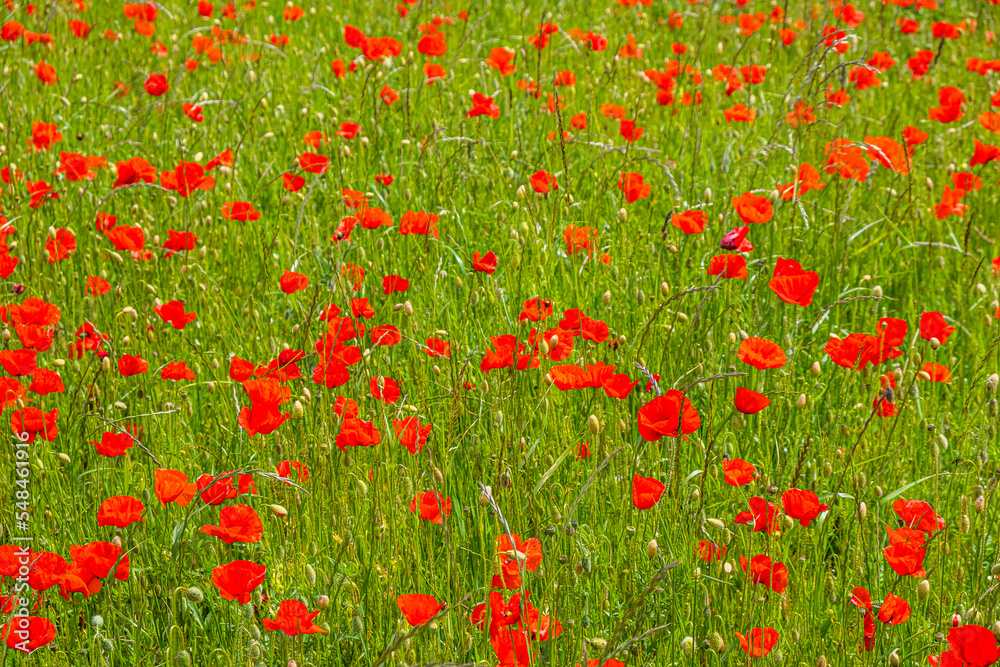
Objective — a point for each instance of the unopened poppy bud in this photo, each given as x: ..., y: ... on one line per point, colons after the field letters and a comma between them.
x: 687, y: 644
x: 664, y: 289
x: 991, y: 406
x: 708, y: 194
x: 322, y: 602
x: 956, y: 620
x: 877, y: 291
x: 991, y: 382
x: 930, y: 183
x: 407, y: 308
x: 800, y: 402
x: 182, y: 658
x: 915, y: 357
x: 438, y: 475
x: 64, y: 458
x: 484, y: 497
x: 981, y: 288
x: 923, y: 589
x: 521, y: 192
x: 194, y: 594
x: 934, y: 343
x: 924, y: 375
x: 862, y: 511
x: 278, y: 511
x: 106, y: 365
x: 606, y: 297
x: 298, y: 412
x: 894, y: 659
x: 310, y: 574
x: 715, y: 523
x: 980, y: 504
x: 593, y: 424
x: 996, y: 630
x: 827, y: 469
x: 787, y: 522
x: 716, y: 643
x: 821, y: 661
x: 622, y: 214
x: 964, y: 523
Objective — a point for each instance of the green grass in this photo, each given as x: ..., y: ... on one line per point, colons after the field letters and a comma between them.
x: 348, y: 533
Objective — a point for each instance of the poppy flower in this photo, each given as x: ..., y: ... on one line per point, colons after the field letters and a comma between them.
x: 894, y: 610
x: 739, y: 113
x: 293, y: 618
x: 238, y: 579
x: 708, y: 552
x: 418, y: 222
x: 46, y: 73
x: 484, y: 263
x: 949, y: 109
x: 131, y: 364
x: 411, y: 433
x: 972, y: 645
x: 292, y: 183
x: 238, y: 523
x: 806, y: 179
x: 936, y: 372
x: 736, y: 239
x: 27, y: 633
x: 792, y: 284
x: 579, y: 239
x: 437, y: 347
x: 689, y: 222
x: 120, y: 511
x: 918, y: 514
x: 633, y: 186
x: 156, y: 85
x: 433, y: 507
x: 763, y: 514
x: 750, y: 402
x: 753, y: 208
x: 758, y: 642
x: 434, y: 72
x: 357, y: 433
x: 628, y: 130
x: 762, y: 570
x: 728, y: 266
x: 483, y: 106
x: 293, y: 282
x: 802, y: 505
x: 35, y: 423
x: 542, y: 182
x: 176, y: 370
x: 186, y: 178
x: 348, y: 130
x: 761, y: 353
x: 646, y: 491
x: 933, y: 325
x: 172, y: 486
x: 670, y: 415
x: 113, y: 444
x: 738, y: 472
x: 417, y: 608
x: 905, y: 559
x: 40, y: 192
x: 240, y: 210
x: 173, y: 314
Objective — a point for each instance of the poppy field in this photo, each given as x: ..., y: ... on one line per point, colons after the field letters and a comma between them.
x: 625, y: 333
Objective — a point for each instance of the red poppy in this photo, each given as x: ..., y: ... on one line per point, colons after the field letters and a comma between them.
x: 293, y: 618
x: 709, y: 551
x: 483, y: 106
x: 120, y: 511
x: 172, y: 486
x: 738, y: 472
x: 762, y: 570
x: 433, y: 507
x: 238, y: 523
x: 633, y: 186
x: 758, y: 642
x: 542, y: 182
x: 646, y: 491
x: 238, y: 579
x: 411, y: 433
x: 293, y: 282
x: 156, y: 85
x: 132, y: 364
x: 792, y: 284
x: 176, y: 370
x: 936, y: 372
x: 918, y: 514
x: 417, y: 608
x: 484, y: 263
x: 240, y: 210
x: 35, y: 423
x: 803, y: 505
x: 894, y: 610
x: 905, y: 559
x: 763, y: 514
x: 971, y: 645
x: 761, y: 353
x: 669, y: 415
x: 27, y: 633
x: 753, y: 208
x: 933, y: 325
x: 750, y: 402
x: 173, y: 314
x: 437, y: 347
x: 689, y: 222
x: 728, y: 266
x: 736, y: 239
x: 113, y: 444
x: 628, y: 130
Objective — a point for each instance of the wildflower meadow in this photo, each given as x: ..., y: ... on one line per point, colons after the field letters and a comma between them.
x: 583, y: 333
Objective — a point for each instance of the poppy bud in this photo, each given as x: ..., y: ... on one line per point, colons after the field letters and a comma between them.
x: 924, y: 375
x: 800, y: 402
x: 934, y: 343
x: 310, y: 574
x: 877, y: 291
x: 716, y: 643
x: 107, y: 646
x: 182, y: 658
x: 923, y: 589
x: 687, y: 644
x: 915, y: 357
x: 362, y: 488
x: 298, y: 412
x: 484, y: 497
x: 930, y: 183
x: 279, y: 511
x: 606, y: 297
x: 992, y: 407
x: 106, y: 365
x: 878, y: 491
x: 821, y: 661
x: 787, y: 522
x: 991, y: 382
x: 194, y: 594
x: 827, y: 469
x: 862, y: 511
x: 980, y: 504
x: 737, y: 422
x: 964, y: 523
x: 622, y: 214
x: 64, y: 458
x: 894, y: 659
